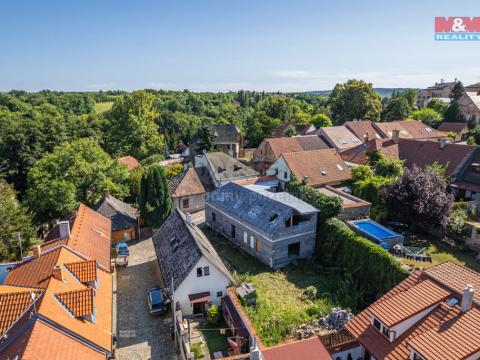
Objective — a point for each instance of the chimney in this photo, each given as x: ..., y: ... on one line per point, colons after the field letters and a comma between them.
x: 396, y: 136
x: 58, y: 272
x: 366, y: 138
x: 37, y: 251
x: 188, y: 218
x: 443, y: 143
x: 467, y: 298
x: 106, y: 193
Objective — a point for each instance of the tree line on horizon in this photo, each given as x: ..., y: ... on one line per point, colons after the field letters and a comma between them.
x: 56, y: 150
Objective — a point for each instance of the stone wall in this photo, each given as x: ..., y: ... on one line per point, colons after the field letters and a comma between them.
x: 355, y: 212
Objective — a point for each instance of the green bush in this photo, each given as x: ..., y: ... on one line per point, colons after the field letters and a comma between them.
x: 310, y: 293
x: 197, y: 351
x: 368, y: 264
x: 213, y: 314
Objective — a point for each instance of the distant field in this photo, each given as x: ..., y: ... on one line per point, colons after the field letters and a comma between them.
x: 102, y: 106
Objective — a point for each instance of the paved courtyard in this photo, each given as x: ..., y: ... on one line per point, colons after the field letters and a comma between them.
x: 140, y: 335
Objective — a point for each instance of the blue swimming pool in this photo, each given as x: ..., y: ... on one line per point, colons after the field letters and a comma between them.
x: 377, y: 233
x: 374, y: 229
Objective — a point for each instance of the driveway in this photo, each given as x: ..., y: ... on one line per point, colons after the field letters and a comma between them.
x: 140, y: 335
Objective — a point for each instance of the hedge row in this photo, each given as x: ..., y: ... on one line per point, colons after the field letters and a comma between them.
x: 369, y: 264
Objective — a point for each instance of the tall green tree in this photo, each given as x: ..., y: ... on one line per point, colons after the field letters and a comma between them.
x: 453, y: 114
x: 437, y: 105
x: 457, y: 91
x: 13, y: 218
x: 428, y: 116
x: 354, y: 99
x: 321, y: 120
x: 76, y: 172
x: 206, y: 138
x: 397, y: 108
x: 131, y: 127
x: 155, y: 200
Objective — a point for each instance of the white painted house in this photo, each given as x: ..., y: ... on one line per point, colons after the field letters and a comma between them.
x: 185, y: 255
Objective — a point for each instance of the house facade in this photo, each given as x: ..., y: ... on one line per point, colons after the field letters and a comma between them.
x: 317, y: 168
x: 440, y: 91
x: 276, y: 228
x: 469, y: 106
x: 270, y: 149
x: 227, y: 138
x: 186, y: 257
x: 188, y: 193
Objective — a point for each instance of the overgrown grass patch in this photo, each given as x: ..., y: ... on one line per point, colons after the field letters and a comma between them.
x: 101, y: 107
x: 281, y: 303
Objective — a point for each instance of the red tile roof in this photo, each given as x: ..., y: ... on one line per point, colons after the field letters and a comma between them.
x: 256, y: 180
x: 361, y: 128
x: 13, y: 304
x: 311, y: 349
x: 409, y: 129
x: 91, y: 236
x: 455, y: 127
x: 443, y: 333
x: 406, y: 304
x: 311, y: 164
x: 359, y: 154
x: 423, y: 153
x: 130, y: 161
x: 85, y: 271
x: 295, y: 143
x: 42, y: 341
x: 78, y: 302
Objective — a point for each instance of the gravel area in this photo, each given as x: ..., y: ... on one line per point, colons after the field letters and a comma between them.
x: 140, y: 335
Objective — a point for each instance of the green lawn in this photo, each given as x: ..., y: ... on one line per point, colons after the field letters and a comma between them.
x: 440, y: 253
x: 213, y: 339
x: 101, y: 107
x: 280, y: 305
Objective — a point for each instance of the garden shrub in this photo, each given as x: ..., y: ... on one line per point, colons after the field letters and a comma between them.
x: 369, y: 265
x: 213, y: 314
x: 310, y: 293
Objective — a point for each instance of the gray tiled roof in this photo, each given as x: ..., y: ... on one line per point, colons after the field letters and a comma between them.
x: 121, y: 214
x: 179, y: 247
x: 225, y: 167
x: 223, y: 134
x: 264, y: 211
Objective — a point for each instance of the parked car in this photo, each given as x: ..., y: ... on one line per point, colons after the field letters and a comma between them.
x: 158, y: 301
x: 121, y: 261
x: 122, y: 249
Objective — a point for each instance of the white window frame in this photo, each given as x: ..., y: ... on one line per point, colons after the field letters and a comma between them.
x: 252, y: 242
x: 245, y: 237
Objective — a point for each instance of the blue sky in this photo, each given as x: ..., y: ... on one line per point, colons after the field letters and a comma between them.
x: 229, y: 45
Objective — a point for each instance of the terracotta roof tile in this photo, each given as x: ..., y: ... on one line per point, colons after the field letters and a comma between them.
x: 339, y: 136
x: 409, y: 129
x: 361, y: 128
x: 455, y: 127
x: 408, y: 303
x: 91, y: 236
x: 295, y: 143
x: 42, y: 341
x: 311, y: 349
x: 443, y: 333
x: 359, y: 154
x: 386, y: 129
x: 321, y: 166
x: 13, y: 305
x: 186, y: 183
x: 130, y: 161
x: 85, y: 271
x: 78, y: 302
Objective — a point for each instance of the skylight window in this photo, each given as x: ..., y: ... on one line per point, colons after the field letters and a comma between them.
x: 403, y: 132
x: 355, y: 140
x: 428, y: 129
x: 254, y: 212
x: 452, y: 302
x: 273, y: 217
x: 342, y: 141
x: 323, y: 171
x: 339, y: 167
x: 377, y: 136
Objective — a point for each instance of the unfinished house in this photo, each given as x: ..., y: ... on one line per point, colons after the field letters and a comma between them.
x: 275, y: 227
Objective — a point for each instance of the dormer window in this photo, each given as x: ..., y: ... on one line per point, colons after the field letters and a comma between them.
x: 383, y: 329
x: 323, y: 171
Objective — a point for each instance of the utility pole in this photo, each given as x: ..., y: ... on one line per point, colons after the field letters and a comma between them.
x: 19, y: 239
